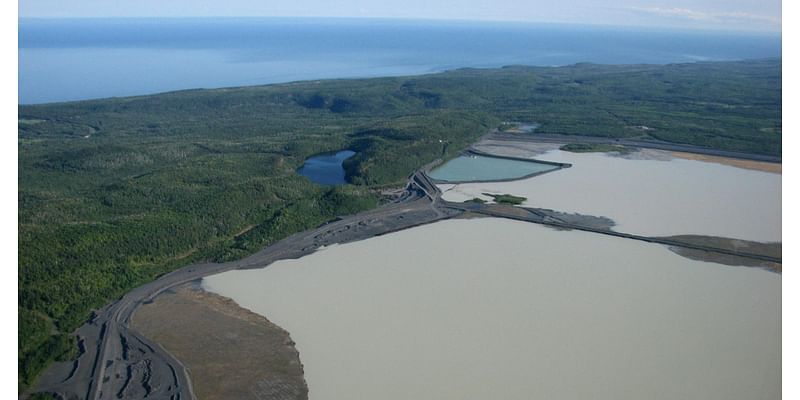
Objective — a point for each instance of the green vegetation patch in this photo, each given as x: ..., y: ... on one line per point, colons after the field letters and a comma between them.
x: 507, y: 199
x: 507, y: 126
x: 595, y: 148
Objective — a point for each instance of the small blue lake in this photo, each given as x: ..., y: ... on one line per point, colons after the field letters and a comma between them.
x: 326, y: 169
x: 469, y: 168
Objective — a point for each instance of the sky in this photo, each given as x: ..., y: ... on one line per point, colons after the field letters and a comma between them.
x: 734, y: 15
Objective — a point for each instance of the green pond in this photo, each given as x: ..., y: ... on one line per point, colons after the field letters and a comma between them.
x: 470, y: 168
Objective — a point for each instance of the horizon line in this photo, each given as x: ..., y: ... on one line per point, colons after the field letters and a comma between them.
x: 774, y: 32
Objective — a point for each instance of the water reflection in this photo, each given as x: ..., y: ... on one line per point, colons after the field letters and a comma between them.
x: 326, y: 169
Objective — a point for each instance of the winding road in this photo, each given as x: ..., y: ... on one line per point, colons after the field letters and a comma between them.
x: 117, y: 362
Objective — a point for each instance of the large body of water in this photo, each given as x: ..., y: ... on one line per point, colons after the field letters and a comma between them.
x: 74, y: 59
x: 491, y: 308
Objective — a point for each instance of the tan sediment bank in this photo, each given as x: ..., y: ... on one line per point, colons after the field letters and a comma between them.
x: 230, y: 352
x: 775, y: 168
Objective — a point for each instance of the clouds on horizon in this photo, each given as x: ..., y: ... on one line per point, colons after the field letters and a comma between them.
x: 723, y: 17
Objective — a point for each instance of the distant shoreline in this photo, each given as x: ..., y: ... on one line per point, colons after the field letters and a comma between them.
x: 58, y: 58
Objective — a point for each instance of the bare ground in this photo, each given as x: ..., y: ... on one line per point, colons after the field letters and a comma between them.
x: 514, y: 148
x: 230, y: 352
x: 767, y: 249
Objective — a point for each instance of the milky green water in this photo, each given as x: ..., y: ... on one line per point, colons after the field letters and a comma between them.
x: 478, y: 168
x: 498, y: 309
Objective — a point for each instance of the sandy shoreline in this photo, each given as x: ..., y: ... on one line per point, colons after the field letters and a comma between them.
x: 775, y: 168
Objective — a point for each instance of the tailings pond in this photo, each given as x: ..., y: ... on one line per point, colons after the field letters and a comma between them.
x: 471, y: 168
x: 650, y: 196
x: 491, y: 308
x: 326, y: 169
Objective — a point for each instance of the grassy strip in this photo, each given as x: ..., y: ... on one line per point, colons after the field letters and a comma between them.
x: 507, y: 199
x: 595, y: 148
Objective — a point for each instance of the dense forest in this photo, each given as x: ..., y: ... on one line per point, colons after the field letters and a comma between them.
x: 114, y: 192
